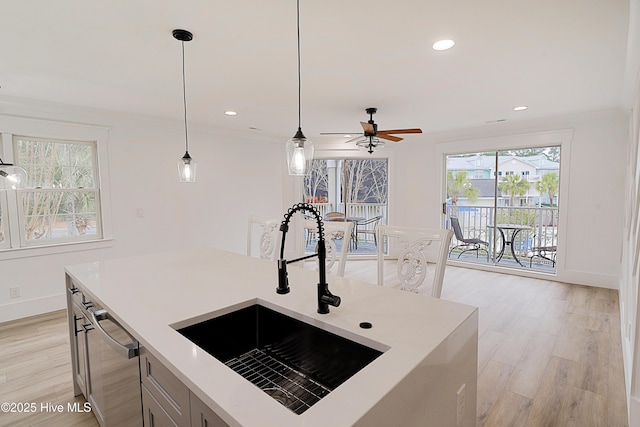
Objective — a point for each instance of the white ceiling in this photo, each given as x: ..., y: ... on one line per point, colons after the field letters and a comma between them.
x: 556, y: 56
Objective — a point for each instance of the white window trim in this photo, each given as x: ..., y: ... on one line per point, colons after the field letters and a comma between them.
x: 49, y: 129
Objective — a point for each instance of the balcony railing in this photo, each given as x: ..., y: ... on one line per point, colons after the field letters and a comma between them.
x: 363, y: 211
x: 539, y: 230
x: 534, y: 246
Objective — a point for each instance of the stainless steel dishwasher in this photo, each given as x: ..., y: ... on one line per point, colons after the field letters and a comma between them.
x: 113, y: 383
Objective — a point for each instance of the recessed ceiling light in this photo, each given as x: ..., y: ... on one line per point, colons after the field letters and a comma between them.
x: 347, y: 136
x: 520, y: 108
x: 443, y: 44
x: 231, y: 113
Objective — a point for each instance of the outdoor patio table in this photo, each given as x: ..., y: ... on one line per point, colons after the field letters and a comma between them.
x: 509, y: 232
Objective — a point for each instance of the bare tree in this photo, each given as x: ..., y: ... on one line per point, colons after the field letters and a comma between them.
x: 366, y: 181
x: 58, y: 172
x: 317, y: 180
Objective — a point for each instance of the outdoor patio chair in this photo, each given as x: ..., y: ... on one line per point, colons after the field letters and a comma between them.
x: 421, y: 255
x: 334, y: 232
x: 263, y: 238
x: 544, y: 252
x: 365, y: 227
x: 466, y: 244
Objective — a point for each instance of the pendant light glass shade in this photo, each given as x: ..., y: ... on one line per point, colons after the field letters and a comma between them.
x: 12, y: 177
x: 187, y: 168
x: 299, y: 155
x: 299, y: 149
x: 186, y: 165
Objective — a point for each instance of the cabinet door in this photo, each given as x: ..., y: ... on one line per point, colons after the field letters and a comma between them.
x: 202, y: 416
x: 80, y: 327
x: 170, y: 393
x: 153, y: 414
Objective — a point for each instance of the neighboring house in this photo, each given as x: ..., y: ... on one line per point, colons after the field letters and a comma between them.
x: 481, y: 170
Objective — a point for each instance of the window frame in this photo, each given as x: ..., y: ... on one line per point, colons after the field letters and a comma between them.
x: 14, y: 245
x: 21, y: 193
x: 561, y: 137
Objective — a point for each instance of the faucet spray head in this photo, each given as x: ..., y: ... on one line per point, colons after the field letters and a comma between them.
x: 283, y: 280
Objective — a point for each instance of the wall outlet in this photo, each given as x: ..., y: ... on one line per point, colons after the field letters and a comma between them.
x: 14, y: 292
x: 140, y: 212
x: 460, y: 405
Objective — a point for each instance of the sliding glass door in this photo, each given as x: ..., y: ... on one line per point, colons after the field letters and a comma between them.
x: 503, y: 207
x: 354, y: 189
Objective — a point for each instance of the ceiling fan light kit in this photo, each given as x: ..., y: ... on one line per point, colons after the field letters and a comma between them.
x: 370, y: 144
x: 299, y: 150
x: 186, y: 165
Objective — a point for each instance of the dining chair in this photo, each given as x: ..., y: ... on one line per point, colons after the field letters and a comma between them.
x: 332, y: 216
x: 367, y: 227
x: 334, y: 232
x: 263, y: 238
x: 420, y: 254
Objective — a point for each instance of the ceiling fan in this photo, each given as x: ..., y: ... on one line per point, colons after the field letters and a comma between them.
x: 373, y: 136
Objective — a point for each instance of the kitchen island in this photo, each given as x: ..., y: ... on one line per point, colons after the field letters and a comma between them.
x: 425, y: 376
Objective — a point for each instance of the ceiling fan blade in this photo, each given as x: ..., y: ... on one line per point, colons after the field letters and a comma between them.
x: 368, y: 127
x: 341, y: 133
x: 413, y: 130
x: 354, y: 139
x: 389, y: 137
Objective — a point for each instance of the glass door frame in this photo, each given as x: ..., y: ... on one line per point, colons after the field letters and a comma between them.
x: 561, y: 138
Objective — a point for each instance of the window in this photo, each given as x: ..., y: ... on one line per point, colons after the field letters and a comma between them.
x: 61, y: 201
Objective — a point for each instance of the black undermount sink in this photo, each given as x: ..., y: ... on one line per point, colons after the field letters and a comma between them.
x: 294, y: 362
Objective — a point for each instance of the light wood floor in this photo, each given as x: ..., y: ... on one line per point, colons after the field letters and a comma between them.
x: 35, y: 367
x: 549, y: 354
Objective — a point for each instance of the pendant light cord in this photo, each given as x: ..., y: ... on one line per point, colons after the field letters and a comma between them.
x: 184, y: 102
x: 298, y: 24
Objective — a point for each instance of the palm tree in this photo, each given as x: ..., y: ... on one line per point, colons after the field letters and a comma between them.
x: 549, y: 183
x: 514, y: 185
x: 459, y: 185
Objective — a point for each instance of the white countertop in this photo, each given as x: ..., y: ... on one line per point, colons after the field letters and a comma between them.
x: 149, y: 293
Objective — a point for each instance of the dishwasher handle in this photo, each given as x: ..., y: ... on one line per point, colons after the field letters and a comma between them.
x: 129, y: 350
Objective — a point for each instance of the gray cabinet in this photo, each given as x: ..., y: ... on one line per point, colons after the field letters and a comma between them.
x: 79, y: 327
x: 110, y: 383
x: 166, y: 390
x: 202, y: 416
x: 152, y: 413
x: 167, y: 401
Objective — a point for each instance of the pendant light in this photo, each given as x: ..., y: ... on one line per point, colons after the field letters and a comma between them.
x: 11, y: 176
x: 186, y: 165
x: 299, y: 149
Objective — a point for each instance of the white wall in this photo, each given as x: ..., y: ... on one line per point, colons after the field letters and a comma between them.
x: 238, y: 175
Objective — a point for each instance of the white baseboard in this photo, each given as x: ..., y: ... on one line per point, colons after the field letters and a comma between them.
x: 589, y: 279
x: 33, y: 307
